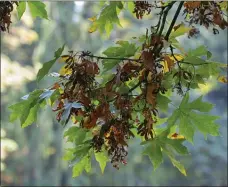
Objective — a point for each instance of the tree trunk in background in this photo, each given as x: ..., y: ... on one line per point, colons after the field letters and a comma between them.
x: 33, y: 163
x: 52, y: 170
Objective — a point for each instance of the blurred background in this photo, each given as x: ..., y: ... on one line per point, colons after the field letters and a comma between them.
x: 33, y: 156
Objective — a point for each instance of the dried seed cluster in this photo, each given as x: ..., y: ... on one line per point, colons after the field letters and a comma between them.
x: 206, y: 13
x: 141, y: 8
x: 6, y: 7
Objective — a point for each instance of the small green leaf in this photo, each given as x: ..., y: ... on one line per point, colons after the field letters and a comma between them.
x: 45, y: 69
x: 22, y: 109
x: 32, y: 117
x: 153, y: 150
x: 17, y: 110
x: 21, y: 8
x: 59, y: 51
x: 47, y: 66
x: 107, y: 18
x: 102, y: 159
x: 37, y: 9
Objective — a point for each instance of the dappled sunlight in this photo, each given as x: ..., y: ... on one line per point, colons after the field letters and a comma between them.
x: 14, y: 75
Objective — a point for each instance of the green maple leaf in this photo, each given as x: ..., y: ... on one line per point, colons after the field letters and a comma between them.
x: 107, y: 18
x: 38, y: 9
x: 155, y: 147
x: 125, y: 49
x: 190, y: 118
x: 26, y: 110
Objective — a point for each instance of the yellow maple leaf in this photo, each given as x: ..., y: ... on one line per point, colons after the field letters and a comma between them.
x: 222, y: 79
x: 65, y: 58
x: 93, y: 28
x: 170, y: 60
x: 65, y: 71
x: 178, y: 57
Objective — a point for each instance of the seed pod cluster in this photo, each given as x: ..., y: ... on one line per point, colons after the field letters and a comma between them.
x: 206, y: 13
x: 6, y: 7
x: 141, y: 7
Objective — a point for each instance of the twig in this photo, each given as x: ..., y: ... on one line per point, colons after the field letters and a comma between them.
x: 174, y: 20
x: 112, y: 58
x: 183, y: 62
x: 164, y: 17
x: 171, y: 25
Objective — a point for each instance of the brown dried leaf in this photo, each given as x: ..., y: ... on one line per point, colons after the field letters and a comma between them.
x: 147, y: 57
x: 150, y: 97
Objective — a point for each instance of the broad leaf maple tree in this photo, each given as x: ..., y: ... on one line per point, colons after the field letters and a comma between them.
x: 104, y: 101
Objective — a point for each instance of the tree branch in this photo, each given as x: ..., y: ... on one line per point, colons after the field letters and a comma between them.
x: 171, y: 25
x: 164, y: 17
x: 174, y: 20
x: 111, y: 58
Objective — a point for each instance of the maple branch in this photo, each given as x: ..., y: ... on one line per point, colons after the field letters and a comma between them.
x: 111, y: 58
x: 171, y: 25
x: 183, y: 62
x: 174, y: 20
x: 129, y: 91
x: 164, y: 17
